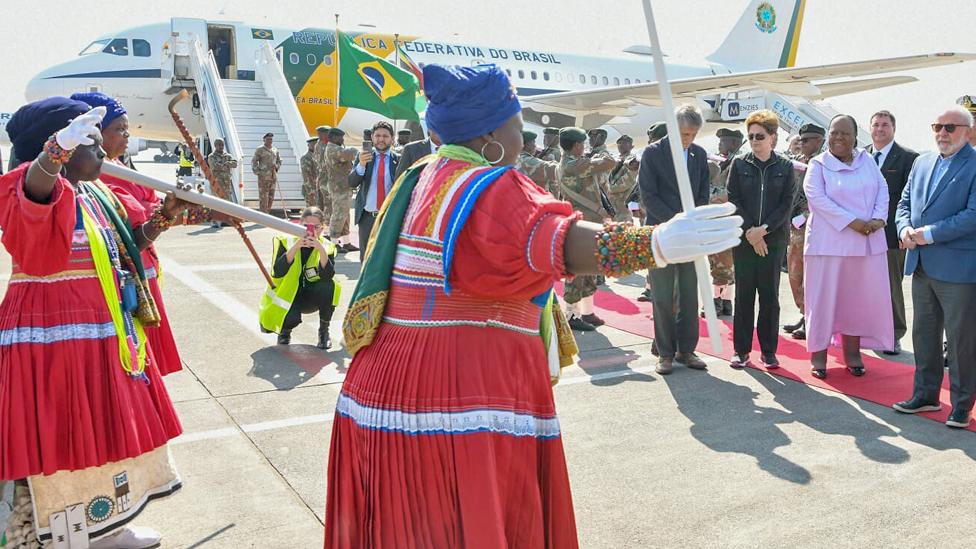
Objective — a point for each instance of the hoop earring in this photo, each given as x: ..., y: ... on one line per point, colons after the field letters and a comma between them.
x: 500, y: 156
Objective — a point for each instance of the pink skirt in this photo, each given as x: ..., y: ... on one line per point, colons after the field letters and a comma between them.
x: 848, y: 295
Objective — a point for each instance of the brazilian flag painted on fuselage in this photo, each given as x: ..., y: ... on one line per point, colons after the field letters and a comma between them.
x: 373, y: 84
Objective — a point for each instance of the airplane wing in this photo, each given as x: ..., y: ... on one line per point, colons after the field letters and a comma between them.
x: 797, y: 81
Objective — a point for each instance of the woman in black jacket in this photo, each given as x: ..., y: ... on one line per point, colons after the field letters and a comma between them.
x: 761, y: 185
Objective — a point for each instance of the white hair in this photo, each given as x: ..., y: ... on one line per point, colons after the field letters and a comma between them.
x: 689, y: 115
x: 963, y: 112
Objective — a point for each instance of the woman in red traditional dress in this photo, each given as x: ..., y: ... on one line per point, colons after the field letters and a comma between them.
x: 84, y: 424
x: 446, y: 434
x: 139, y: 203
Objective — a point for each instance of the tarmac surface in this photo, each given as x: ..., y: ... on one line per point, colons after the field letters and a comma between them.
x: 722, y: 458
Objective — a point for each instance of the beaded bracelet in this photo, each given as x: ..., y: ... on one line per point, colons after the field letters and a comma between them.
x: 195, y: 216
x: 160, y: 219
x: 55, y: 152
x: 622, y: 248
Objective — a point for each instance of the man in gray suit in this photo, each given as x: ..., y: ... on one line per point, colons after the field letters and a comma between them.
x: 937, y: 225
x: 413, y: 152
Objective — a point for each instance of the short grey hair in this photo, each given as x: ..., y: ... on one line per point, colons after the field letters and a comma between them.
x: 963, y: 112
x: 689, y: 115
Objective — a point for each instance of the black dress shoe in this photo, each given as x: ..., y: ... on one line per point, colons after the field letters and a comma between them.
x: 819, y: 373
x: 350, y: 247
x: 790, y: 328
x: 958, y: 419
x: 284, y: 338
x: 580, y: 325
x: 800, y: 334
x: 895, y: 351
x: 915, y: 405
x: 593, y: 320
x: 646, y: 296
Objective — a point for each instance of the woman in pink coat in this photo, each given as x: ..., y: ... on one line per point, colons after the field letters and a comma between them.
x: 847, y: 299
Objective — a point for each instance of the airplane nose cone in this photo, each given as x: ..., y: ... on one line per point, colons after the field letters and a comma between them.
x: 44, y: 84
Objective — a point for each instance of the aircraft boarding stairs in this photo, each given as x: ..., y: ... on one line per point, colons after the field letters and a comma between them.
x: 793, y: 112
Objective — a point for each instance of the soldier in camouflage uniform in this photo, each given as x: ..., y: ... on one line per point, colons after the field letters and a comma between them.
x: 811, y: 141
x: 542, y: 172
x: 325, y: 199
x: 310, y: 175
x: 622, y: 178
x: 723, y: 276
x: 265, y: 164
x: 221, y: 165
x: 550, y: 144
x: 338, y: 164
x: 403, y: 139
x: 578, y: 182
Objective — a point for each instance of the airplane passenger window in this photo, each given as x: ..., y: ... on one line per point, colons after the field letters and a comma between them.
x: 592, y: 79
x: 626, y: 80
x: 94, y: 47
x: 141, y: 48
x: 545, y: 76
x: 534, y: 75
x: 582, y: 78
x: 521, y: 73
x: 327, y: 60
x: 118, y: 46
x: 293, y: 58
x: 606, y: 81
x: 311, y: 59
x: 509, y: 71
x: 616, y: 81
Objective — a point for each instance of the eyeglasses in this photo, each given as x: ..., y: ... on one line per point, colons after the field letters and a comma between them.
x: 949, y: 128
x: 756, y: 136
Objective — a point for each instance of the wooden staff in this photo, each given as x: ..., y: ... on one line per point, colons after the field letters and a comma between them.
x: 213, y: 182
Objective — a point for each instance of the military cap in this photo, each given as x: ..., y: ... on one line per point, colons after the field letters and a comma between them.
x: 551, y: 131
x: 267, y: 135
x: 968, y: 102
x: 528, y: 136
x: 725, y: 132
x: 625, y: 138
x: 336, y: 131
x: 312, y: 140
x: 597, y: 130
x: 323, y: 129
x: 404, y: 132
x: 658, y: 130
x: 573, y: 134
x: 812, y: 128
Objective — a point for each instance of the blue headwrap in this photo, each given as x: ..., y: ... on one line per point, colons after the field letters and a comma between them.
x: 113, y: 109
x: 33, y: 123
x: 465, y: 102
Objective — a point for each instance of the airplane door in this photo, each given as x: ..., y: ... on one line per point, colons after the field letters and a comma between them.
x: 183, y: 32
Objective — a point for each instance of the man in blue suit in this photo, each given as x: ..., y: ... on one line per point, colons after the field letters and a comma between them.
x: 936, y: 222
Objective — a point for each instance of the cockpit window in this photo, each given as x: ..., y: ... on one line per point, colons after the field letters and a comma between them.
x: 141, y: 48
x: 118, y: 46
x: 94, y: 47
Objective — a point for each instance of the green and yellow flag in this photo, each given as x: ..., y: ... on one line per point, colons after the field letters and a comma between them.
x: 370, y: 83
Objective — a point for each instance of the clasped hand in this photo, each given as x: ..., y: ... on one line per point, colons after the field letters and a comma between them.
x: 912, y: 238
x: 866, y: 227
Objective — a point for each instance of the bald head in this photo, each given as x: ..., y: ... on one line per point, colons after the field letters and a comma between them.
x: 961, y: 122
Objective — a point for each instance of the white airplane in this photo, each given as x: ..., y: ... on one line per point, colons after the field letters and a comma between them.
x: 137, y: 66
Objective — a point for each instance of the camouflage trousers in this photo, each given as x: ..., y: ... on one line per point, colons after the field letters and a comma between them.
x: 619, y: 201
x: 341, y: 200
x: 580, y: 287
x: 721, y: 267
x: 325, y: 198
x: 794, y: 264
x: 266, y: 192
x: 221, y: 188
x: 311, y: 194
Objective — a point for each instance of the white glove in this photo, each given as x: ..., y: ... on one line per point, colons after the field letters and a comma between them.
x: 704, y: 231
x: 80, y: 130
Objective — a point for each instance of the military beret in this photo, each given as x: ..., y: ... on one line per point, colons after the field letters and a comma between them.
x: 336, y: 131
x: 267, y: 135
x: 625, y: 138
x: 812, y: 128
x: 404, y: 132
x: 312, y: 140
x: 528, y: 136
x: 323, y: 129
x: 573, y: 134
x: 725, y: 132
x: 658, y: 130
x: 968, y: 102
x: 597, y: 130
x: 551, y: 131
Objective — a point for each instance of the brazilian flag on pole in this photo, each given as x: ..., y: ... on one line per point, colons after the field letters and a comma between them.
x: 370, y: 83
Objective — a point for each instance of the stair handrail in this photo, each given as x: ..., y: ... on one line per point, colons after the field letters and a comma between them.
x: 269, y: 71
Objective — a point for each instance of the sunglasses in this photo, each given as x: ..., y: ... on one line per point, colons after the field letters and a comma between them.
x: 756, y: 136
x: 949, y: 128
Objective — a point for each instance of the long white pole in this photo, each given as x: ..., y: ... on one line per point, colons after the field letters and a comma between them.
x: 681, y: 170
x: 223, y: 206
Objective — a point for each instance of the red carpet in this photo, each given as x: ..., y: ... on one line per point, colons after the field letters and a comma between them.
x: 885, y: 382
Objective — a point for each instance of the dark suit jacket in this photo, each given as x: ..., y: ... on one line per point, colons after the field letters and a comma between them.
x: 356, y: 181
x: 896, y: 167
x: 411, y: 153
x: 659, y: 184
